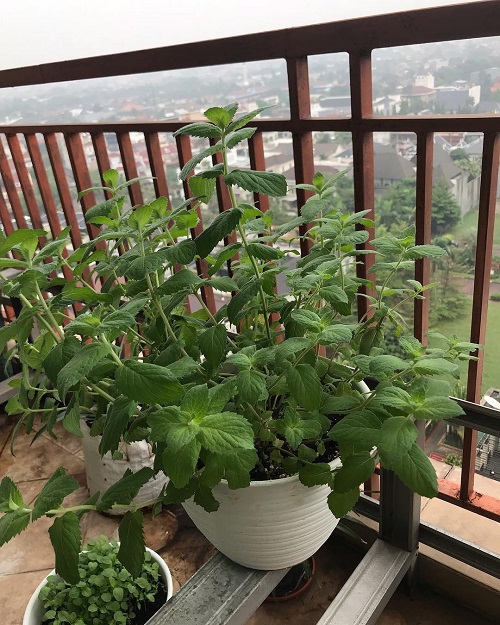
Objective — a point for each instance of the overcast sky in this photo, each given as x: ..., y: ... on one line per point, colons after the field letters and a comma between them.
x: 41, y: 31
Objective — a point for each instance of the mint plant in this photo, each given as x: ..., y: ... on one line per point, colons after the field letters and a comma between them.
x: 105, y: 593
x: 267, y: 386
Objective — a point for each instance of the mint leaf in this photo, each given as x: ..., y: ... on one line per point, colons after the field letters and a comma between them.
x: 173, y: 426
x: 416, y: 471
x: 66, y: 537
x: 315, y: 474
x: 117, y: 419
x: 354, y: 471
x: 212, y: 343
x: 182, y: 253
x: 131, y: 552
x: 140, y: 267
x: 196, y: 160
x: 219, y: 396
x: 148, y: 383
x: 238, y: 467
x: 79, y: 366
x: 361, y: 429
x: 264, y: 252
x: 342, y: 503
x: 223, y: 284
x: 384, y: 365
x: 239, y: 136
x: 222, y: 226
x: 220, y: 116
x: 180, y: 281
x: 53, y: 493
x: 125, y: 489
x: 305, y: 386
x: 264, y: 182
x: 335, y: 334
x: 435, y: 366
x: 204, y: 497
x: 307, y: 319
x: 251, y: 386
x: 180, y: 463
x: 225, y: 432
x: 244, y: 119
x: 436, y: 408
x: 10, y: 497
x: 199, y: 129
x: 238, y: 301
x: 291, y: 346
x: 195, y: 401
x: 397, y: 436
x: 71, y: 419
x: 13, y: 523
x: 338, y: 405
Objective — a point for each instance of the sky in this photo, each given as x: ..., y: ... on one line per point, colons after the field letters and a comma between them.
x: 42, y: 31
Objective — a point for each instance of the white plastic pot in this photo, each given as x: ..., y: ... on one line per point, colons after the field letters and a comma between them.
x: 268, y: 525
x: 34, y: 610
x: 104, y: 472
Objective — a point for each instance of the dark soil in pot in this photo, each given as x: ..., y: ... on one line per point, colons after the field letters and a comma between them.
x: 296, y: 581
x: 149, y: 609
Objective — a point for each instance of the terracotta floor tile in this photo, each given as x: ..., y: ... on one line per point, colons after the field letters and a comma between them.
x: 95, y: 525
x: 15, y: 592
x: 38, y: 461
x: 6, y: 425
x: 69, y: 442
x: 189, y: 551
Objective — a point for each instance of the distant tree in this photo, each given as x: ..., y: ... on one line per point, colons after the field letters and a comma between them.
x: 445, y: 210
x: 344, y: 138
x: 344, y: 188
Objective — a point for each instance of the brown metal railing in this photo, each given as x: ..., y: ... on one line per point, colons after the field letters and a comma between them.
x: 356, y: 37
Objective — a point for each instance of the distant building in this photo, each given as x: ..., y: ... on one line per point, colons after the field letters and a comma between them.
x: 389, y: 168
x: 458, y: 97
x: 425, y: 80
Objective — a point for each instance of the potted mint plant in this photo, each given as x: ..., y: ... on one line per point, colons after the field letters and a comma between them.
x: 258, y: 412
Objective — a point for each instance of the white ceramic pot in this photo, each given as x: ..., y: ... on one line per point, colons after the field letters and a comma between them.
x: 268, y: 525
x: 34, y: 610
x: 104, y: 472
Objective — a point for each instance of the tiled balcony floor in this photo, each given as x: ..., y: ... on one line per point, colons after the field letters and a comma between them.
x: 28, y: 558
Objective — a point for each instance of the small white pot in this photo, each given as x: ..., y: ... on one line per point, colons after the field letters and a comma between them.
x: 104, y: 472
x: 34, y: 610
x: 268, y: 525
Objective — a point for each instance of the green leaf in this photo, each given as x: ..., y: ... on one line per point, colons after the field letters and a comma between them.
x: 221, y: 116
x: 360, y: 429
x: 117, y: 420
x: 313, y: 208
x: 335, y: 334
x: 66, y: 537
x: 307, y: 319
x: 180, y: 464
x: 212, y: 343
x: 183, y: 367
x: 397, y: 436
x: 148, y: 383
x: 305, y: 386
x: 53, y: 493
x: 173, y: 426
x: 238, y: 467
x: 219, y: 396
x: 291, y: 346
x: 123, y: 491
x: 226, y: 432
x: 338, y: 405
x: 140, y: 267
x: 182, y: 253
x: 424, y: 251
x: 199, y: 129
x: 264, y: 182
x: 227, y: 253
x: 435, y: 366
x: 238, y: 301
x: 416, y: 471
x: 23, y: 235
x: 334, y: 295
x: 202, y: 187
x: 79, y: 366
x: 239, y: 136
x: 355, y: 470
x: 384, y: 365
x: 244, y: 119
x: 224, y: 284
x: 264, y: 252
x: 196, y: 160
x: 315, y: 474
x: 12, y: 262
x: 103, y: 209
x: 59, y: 356
x: 180, y: 281
x: 436, y: 408
x: 342, y: 503
x: 251, y: 386
x: 10, y: 497
x: 204, y: 498
x: 12, y: 524
x: 132, y: 546
x: 195, y: 401
x: 111, y: 177
x: 85, y: 294
x: 222, y: 226
x: 118, y: 322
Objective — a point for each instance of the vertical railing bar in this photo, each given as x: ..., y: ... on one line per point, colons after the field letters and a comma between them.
x: 63, y: 189
x: 303, y: 150
x: 185, y: 154
x: 157, y: 165
x: 5, y: 215
x: 423, y: 223
x: 26, y: 184
x: 102, y: 157
x: 360, y: 69
x: 258, y: 163
x: 10, y: 187
x: 130, y: 167
x: 81, y: 175
x: 484, y: 249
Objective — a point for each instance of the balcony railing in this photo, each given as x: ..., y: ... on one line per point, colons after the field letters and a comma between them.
x: 51, y: 148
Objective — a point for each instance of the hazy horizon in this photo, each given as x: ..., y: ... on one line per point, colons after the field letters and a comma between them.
x: 43, y: 32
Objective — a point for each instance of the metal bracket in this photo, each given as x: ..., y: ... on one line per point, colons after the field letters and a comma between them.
x: 220, y: 593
